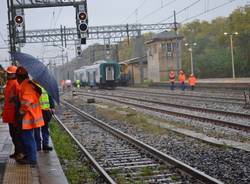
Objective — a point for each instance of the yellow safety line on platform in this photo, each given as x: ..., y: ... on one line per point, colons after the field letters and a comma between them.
x: 18, y: 174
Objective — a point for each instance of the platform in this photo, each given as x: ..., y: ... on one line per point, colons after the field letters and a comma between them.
x: 216, y: 83
x: 47, y: 171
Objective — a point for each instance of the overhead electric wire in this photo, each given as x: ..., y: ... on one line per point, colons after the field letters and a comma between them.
x: 209, y: 10
x: 135, y: 11
x: 156, y: 10
x: 189, y: 6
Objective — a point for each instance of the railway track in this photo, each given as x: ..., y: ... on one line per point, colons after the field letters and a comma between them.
x: 182, y: 96
x: 119, y: 158
x: 189, y: 115
x: 199, y: 109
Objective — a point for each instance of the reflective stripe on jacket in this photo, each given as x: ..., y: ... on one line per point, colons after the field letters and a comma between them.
x: 30, y: 106
x: 10, y: 97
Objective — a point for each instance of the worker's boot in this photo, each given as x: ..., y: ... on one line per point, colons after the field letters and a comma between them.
x: 47, y: 148
x: 13, y: 155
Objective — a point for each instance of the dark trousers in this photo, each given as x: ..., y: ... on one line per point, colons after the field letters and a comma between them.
x: 16, y: 136
x: 29, y: 144
x: 44, y: 129
x: 172, y: 86
x: 182, y: 86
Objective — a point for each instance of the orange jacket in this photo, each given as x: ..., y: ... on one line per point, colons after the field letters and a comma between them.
x: 171, y: 76
x: 182, y: 77
x: 192, y: 80
x: 10, y: 94
x: 30, y: 107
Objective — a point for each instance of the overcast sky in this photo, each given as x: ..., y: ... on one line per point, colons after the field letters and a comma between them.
x: 110, y: 12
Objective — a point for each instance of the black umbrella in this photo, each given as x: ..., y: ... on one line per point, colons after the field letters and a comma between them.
x: 39, y: 72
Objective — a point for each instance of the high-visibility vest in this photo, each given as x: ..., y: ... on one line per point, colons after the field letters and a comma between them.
x: 44, y: 99
x: 181, y: 77
x: 192, y: 80
x: 78, y: 81
x: 11, y: 90
x: 30, y: 106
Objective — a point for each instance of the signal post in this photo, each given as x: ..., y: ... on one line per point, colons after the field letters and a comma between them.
x: 16, y: 20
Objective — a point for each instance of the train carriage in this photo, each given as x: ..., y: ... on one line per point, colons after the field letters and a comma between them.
x: 125, y: 74
x: 102, y: 74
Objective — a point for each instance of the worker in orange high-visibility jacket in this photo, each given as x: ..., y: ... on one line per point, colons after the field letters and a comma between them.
x: 31, y: 114
x: 171, y: 77
x: 192, y: 81
x: 182, y: 79
x: 9, y: 112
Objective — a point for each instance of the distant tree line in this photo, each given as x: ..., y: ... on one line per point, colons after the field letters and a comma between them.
x: 211, y: 55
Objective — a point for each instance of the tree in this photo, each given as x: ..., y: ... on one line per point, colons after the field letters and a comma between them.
x: 212, y: 56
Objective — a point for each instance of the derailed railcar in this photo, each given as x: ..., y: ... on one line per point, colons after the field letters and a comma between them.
x: 109, y: 74
x: 103, y: 74
x: 124, y: 74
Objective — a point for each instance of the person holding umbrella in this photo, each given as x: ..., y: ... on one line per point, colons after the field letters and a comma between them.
x: 30, y: 115
x: 39, y: 72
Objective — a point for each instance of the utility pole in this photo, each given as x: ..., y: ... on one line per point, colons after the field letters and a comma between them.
x: 178, y: 62
x: 138, y: 52
x: 12, y: 36
x: 190, y: 49
x: 232, y: 50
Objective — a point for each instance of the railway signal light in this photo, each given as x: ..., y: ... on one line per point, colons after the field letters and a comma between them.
x: 18, y: 20
x: 78, y: 50
x: 83, y: 27
x: 82, y: 16
x: 18, y: 26
x: 82, y: 22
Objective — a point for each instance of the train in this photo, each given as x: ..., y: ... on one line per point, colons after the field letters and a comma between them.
x: 102, y: 74
x: 125, y: 75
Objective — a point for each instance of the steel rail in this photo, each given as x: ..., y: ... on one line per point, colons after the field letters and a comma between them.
x: 150, y: 150
x: 199, y: 109
x: 191, y: 116
x: 196, y: 96
x: 98, y: 168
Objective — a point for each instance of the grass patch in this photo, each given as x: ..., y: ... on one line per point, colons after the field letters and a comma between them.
x: 75, y: 170
x: 144, y: 121
x: 130, y: 116
x: 146, y: 171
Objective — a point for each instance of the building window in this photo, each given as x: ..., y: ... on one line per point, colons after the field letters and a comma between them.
x: 163, y: 46
x: 169, y: 47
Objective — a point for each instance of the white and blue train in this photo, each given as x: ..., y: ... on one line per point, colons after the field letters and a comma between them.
x: 101, y: 74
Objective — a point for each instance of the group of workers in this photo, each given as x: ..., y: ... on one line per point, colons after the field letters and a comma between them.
x: 181, y: 79
x: 28, y: 110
